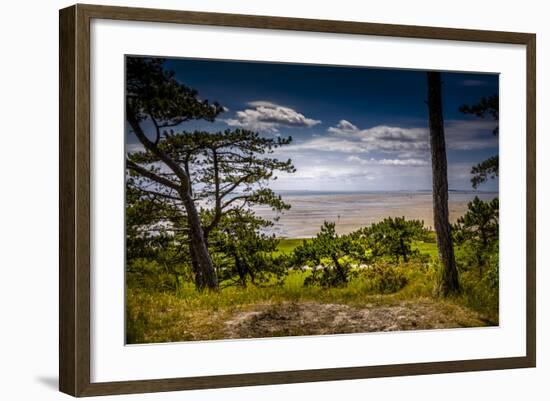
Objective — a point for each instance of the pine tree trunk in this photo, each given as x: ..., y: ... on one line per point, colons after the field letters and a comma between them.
x: 403, y: 250
x: 199, y: 282
x: 440, y: 190
x: 241, y: 271
x: 342, y: 276
x: 205, y: 274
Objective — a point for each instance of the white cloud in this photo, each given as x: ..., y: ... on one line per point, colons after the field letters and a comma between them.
x: 327, y: 144
x: 380, y: 132
x: 402, y: 143
x: 348, y: 138
x: 327, y: 172
x: 344, y: 126
x: 382, y: 138
x: 262, y: 103
x: 388, y: 162
x: 268, y: 116
x: 134, y: 147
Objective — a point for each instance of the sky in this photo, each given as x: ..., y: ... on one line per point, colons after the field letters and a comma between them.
x: 353, y: 128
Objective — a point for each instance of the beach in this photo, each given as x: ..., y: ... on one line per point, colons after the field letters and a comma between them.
x: 353, y: 210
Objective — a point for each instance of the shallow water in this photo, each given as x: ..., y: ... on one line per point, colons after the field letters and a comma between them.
x: 351, y: 211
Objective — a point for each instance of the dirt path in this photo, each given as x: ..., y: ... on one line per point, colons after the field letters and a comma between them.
x: 310, y: 318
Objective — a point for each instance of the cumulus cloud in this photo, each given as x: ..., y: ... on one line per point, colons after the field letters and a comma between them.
x: 267, y: 116
x: 379, y: 132
x: 349, y: 157
x: 401, y: 142
x: 348, y: 138
x: 382, y: 138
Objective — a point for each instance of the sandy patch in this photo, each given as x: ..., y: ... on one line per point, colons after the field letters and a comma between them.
x: 310, y: 318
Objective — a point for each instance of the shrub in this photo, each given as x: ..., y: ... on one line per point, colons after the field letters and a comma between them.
x: 385, y: 278
x: 392, y: 237
x: 242, y: 253
x: 477, y: 235
x: 329, y: 251
x: 482, y: 295
x: 154, y: 275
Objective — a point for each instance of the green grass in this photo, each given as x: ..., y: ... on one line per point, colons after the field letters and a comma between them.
x: 428, y: 248
x: 287, y: 245
x: 191, y: 315
x: 292, y: 289
x: 156, y: 316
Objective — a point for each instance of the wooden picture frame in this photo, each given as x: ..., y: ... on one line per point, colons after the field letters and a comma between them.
x: 74, y: 204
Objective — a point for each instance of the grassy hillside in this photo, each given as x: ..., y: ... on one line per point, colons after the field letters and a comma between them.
x: 386, y: 297
x: 292, y: 309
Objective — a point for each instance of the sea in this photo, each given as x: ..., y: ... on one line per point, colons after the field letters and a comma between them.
x: 353, y: 210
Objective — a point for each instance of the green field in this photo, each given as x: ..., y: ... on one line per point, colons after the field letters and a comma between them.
x: 287, y: 245
x: 428, y: 247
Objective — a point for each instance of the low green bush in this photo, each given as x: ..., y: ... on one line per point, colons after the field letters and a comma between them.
x: 152, y: 275
x: 385, y: 278
x: 482, y: 294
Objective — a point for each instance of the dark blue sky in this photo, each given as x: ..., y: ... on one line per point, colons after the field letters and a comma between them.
x: 354, y: 128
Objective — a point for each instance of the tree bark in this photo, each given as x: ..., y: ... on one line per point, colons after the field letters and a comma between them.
x: 342, y: 276
x: 199, y: 282
x: 241, y: 270
x: 440, y: 191
x: 205, y: 274
x: 403, y: 250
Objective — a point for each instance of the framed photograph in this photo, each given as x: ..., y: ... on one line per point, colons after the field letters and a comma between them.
x: 249, y: 200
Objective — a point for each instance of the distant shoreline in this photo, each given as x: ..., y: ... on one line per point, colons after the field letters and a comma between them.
x: 376, y: 191
x: 353, y: 210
